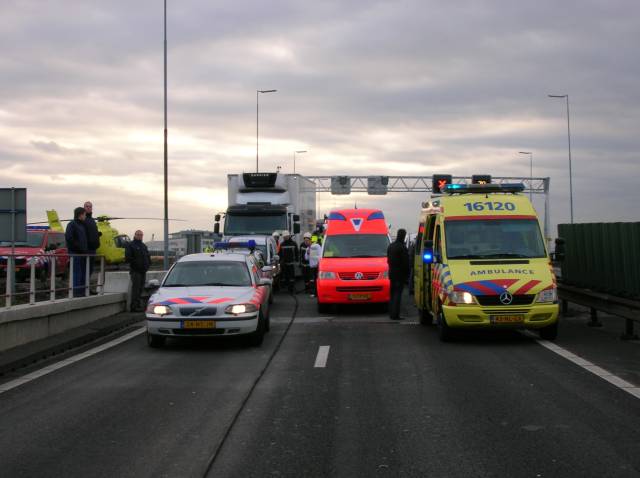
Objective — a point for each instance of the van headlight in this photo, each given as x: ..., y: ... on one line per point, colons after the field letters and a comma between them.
x: 384, y: 275
x: 159, y: 309
x: 548, y: 295
x: 326, y: 275
x: 460, y: 297
x: 237, y: 309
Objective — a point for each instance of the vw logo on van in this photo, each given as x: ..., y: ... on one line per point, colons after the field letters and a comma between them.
x: 506, y: 298
x: 359, y: 275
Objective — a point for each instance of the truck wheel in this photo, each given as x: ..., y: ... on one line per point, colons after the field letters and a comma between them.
x: 155, y: 341
x: 425, y: 317
x: 550, y: 332
x: 444, y: 331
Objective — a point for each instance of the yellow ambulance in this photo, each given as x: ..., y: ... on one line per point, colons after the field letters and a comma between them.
x: 481, y: 262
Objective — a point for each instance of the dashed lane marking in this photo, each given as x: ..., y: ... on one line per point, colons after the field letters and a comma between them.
x: 589, y: 366
x: 323, y: 355
x: 5, y: 387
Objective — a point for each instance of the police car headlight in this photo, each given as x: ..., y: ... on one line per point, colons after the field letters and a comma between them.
x: 459, y: 297
x: 237, y: 309
x: 548, y: 295
x: 326, y: 275
x: 159, y: 309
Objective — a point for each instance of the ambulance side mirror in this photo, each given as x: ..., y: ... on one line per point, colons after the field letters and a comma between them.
x: 427, y: 252
x: 560, y: 249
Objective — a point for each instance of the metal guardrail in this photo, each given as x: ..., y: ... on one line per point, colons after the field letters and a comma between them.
x: 598, y: 301
x: 49, y: 264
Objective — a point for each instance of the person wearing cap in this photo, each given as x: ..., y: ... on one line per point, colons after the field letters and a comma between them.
x: 288, y: 259
x: 304, y: 260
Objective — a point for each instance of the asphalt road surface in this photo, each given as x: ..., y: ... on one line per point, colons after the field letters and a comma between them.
x: 348, y: 394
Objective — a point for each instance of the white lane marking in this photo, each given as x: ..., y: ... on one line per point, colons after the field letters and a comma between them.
x: 5, y: 387
x: 323, y: 355
x: 589, y: 366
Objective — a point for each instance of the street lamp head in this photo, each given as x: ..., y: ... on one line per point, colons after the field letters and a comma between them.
x: 525, y: 152
x: 267, y: 91
x: 298, y: 152
x: 557, y: 96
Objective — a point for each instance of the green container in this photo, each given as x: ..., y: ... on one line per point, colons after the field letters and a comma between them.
x: 603, y: 257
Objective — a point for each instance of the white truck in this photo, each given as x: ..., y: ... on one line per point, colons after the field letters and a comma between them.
x: 261, y: 203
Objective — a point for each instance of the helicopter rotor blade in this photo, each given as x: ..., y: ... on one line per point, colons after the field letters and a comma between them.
x: 109, y: 218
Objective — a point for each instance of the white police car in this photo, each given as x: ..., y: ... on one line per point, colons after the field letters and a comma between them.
x: 212, y: 294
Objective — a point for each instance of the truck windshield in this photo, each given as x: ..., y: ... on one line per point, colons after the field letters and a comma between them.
x: 356, y: 245
x: 494, y: 239
x: 208, y: 273
x: 235, y: 225
x: 34, y: 239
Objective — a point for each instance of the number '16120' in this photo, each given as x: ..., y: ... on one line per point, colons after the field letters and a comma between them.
x: 490, y: 206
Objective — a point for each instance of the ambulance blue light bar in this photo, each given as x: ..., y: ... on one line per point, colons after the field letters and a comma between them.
x: 37, y: 228
x: 251, y: 244
x: 484, y: 188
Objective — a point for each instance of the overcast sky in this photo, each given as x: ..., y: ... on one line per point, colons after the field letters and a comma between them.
x: 390, y: 87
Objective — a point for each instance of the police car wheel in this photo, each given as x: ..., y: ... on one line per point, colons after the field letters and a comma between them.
x: 549, y: 332
x: 155, y: 341
x: 255, y: 338
x: 444, y: 331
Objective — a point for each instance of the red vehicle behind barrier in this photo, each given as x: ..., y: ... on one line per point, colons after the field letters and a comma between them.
x: 354, y: 266
x: 42, y: 246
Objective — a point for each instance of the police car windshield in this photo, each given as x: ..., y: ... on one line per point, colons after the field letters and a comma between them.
x: 208, y: 273
x: 241, y: 224
x: 356, y: 245
x: 494, y: 239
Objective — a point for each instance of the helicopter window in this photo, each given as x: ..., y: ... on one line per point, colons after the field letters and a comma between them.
x: 208, y: 273
x: 122, y: 240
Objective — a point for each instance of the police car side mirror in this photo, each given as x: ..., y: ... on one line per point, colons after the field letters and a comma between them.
x: 264, y: 282
x: 276, y: 258
x: 267, y: 269
x: 153, y: 284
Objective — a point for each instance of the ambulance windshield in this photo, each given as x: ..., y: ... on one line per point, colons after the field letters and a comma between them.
x: 356, y: 245
x: 494, y: 239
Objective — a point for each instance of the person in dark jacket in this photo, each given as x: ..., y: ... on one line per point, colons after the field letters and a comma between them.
x: 398, y: 260
x: 288, y: 259
x: 93, y: 235
x: 76, y: 237
x: 137, y: 255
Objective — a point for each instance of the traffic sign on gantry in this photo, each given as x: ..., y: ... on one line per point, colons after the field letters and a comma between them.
x: 340, y: 185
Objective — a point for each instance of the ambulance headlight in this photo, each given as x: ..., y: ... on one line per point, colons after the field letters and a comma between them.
x: 460, y: 297
x: 159, y: 309
x: 326, y: 275
x: 548, y: 295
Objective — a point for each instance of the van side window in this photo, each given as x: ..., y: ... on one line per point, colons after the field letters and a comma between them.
x: 437, y: 245
x: 418, y: 244
x: 430, y: 229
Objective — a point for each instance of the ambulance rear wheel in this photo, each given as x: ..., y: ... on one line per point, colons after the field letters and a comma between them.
x: 550, y: 332
x: 444, y: 331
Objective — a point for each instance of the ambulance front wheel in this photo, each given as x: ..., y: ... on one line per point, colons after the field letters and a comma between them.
x: 444, y: 331
x: 550, y: 332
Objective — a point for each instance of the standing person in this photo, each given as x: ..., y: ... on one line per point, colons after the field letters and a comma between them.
x: 288, y: 259
x: 314, y: 252
x: 137, y: 255
x: 76, y: 238
x: 93, y: 235
x: 304, y: 261
x: 398, y: 260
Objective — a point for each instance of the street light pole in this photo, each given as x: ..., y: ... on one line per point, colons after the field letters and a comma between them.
x: 530, y: 153
x: 257, y: 114
x: 569, y: 143
x: 294, y: 159
x: 166, y: 166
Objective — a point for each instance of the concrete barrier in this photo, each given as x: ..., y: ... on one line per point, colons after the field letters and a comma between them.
x: 119, y: 282
x: 26, y: 323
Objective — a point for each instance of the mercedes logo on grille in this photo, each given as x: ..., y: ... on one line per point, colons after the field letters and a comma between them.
x: 506, y: 298
x: 359, y: 275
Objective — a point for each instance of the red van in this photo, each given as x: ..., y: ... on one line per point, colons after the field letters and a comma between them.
x: 353, y: 267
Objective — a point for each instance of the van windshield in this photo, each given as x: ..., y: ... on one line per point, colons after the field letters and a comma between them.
x: 356, y: 245
x: 494, y: 239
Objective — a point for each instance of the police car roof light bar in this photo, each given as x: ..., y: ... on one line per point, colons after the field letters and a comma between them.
x: 484, y: 188
x: 250, y: 244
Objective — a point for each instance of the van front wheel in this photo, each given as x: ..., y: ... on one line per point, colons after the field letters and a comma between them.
x: 444, y: 331
x: 550, y: 332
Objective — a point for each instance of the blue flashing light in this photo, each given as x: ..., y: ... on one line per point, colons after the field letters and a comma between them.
x: 484, y: 188
x: 454, y: 186
x: 427, y: 258
x: 250, y: 244
x: 336, y: 216
x: 375, y: 215
x: 38, y: 228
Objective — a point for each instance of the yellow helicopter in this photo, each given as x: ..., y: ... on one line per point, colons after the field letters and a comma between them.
x: 112, y: 243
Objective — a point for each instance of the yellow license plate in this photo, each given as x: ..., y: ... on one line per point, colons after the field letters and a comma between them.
x: 359, y: 296
x: 199, y: 324
x: 506, y: 319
